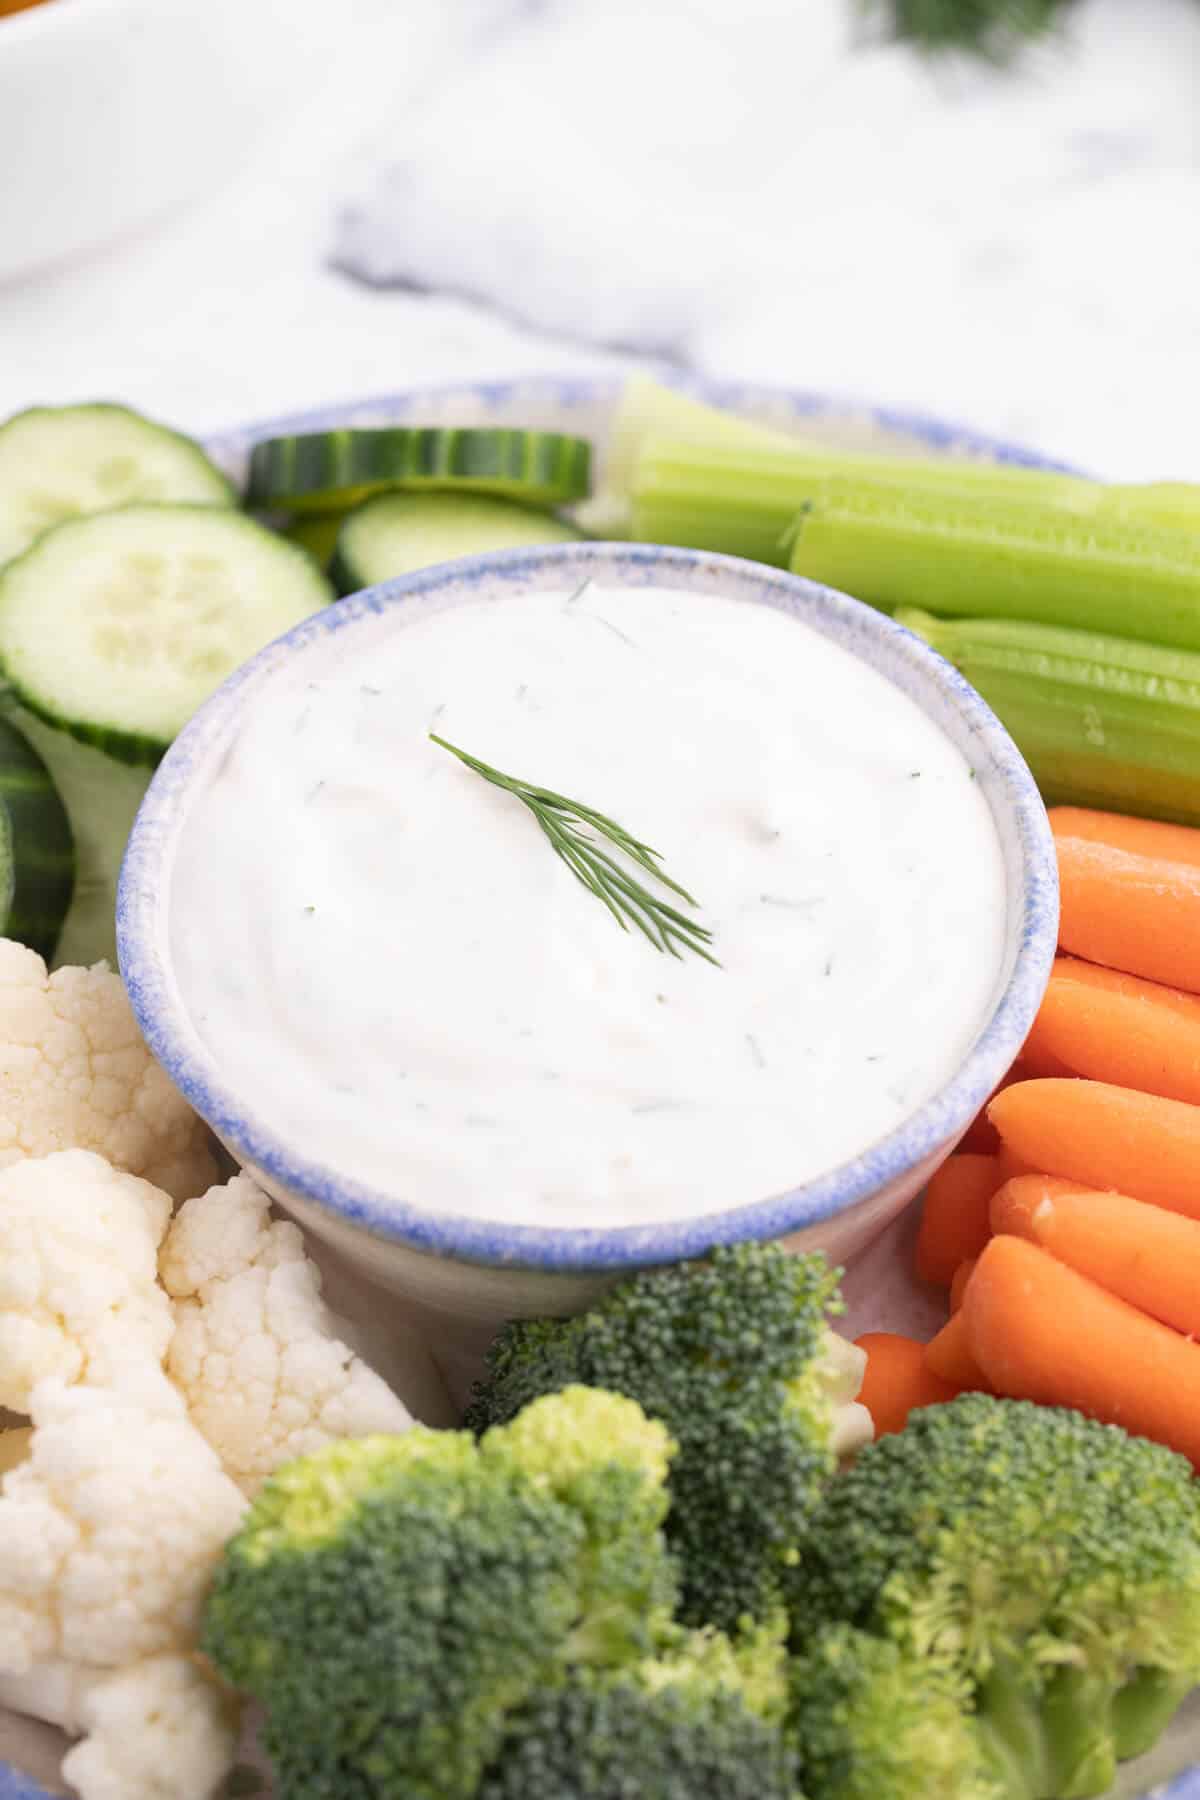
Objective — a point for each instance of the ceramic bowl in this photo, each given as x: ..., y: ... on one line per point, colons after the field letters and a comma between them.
x: 468, y: 1269
x: 113, y: 112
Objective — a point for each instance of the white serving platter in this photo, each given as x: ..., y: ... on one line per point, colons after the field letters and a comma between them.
x: 881, y: 1291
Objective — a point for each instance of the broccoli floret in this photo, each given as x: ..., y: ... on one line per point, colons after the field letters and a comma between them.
x: 1045, y: 1565
x: 703, y: 1718
x: 753, y: 1665
x: 734, y: 1355
x: 390, y: 1600
x: 624, y: 1739
x: 871, y: 1721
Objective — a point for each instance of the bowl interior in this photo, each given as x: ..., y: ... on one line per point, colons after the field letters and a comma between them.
x: 1031, y: 907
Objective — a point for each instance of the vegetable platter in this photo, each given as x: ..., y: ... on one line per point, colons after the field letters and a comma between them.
x: 465, y: 455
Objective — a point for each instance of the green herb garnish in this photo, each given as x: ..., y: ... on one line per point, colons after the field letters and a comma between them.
x: 994, y: 27
x: 625, y: 897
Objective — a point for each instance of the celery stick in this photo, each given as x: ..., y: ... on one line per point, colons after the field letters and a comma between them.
x: 987, y: 556
x: 647, y: 409
x: 744, y: 498
x: 1175, y: 504
x: 1102, y: 721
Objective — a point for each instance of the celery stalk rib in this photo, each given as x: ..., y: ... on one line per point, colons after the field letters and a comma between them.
x: 991, y: 556
x: 743, y: 497
x: 1101, y: 721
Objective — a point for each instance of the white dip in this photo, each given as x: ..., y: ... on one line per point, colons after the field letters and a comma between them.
x: 400, y: 978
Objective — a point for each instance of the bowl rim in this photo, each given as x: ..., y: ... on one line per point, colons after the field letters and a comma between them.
x: 144, y: 885
x: 931, y: 431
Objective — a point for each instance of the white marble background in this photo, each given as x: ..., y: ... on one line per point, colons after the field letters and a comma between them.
x: 733, y: 184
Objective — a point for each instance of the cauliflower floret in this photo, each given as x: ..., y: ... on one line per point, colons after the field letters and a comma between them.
x: 254, y: 1352
x: 76, y: 1074
x: 109, y: 1530
x: 158, y: 1730
x: 79, y: 1292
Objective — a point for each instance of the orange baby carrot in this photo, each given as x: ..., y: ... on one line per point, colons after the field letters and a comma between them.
x: 981, y: 1137
x: 1119, y: 1028
x: 1101, y: 1136
x: 1040, y: 1331
x: 1009, y: 1165
x: 1038, y: 1061
x: 1129, y: 909
x: 1015, y: 1202
x: 961, y: 1277
x: 954, y: 1222
x: 1137, y: 837
x: 897, y: 1380
x: 1140, y: 1253
x: 948, y: 1356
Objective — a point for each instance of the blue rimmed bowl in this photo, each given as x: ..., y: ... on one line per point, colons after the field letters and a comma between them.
x: 472, y: 1272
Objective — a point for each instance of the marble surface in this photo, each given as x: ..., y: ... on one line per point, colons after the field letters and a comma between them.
x: 452, y: 188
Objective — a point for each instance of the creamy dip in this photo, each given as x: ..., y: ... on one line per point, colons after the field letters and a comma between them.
x: 399, y: 977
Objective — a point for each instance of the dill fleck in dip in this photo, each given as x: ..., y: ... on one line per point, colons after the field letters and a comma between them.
x: 401, y: 975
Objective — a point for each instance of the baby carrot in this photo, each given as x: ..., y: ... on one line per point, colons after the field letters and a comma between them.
x: 961, y: 1277
x: 1119, y: 1028
x: 1040, y: 1331
x: 1140, y: 1253
x: 1016, y: 1201
x: 1009, y: 1165
x: 1121, y: 831
x: 1101, y: 1136
x: 949, y: 1357
x: 954, y: 1222
x: 1129, y: 909
x: 897, y: 1380
x: 981, y: 1137
x: 1038, y: 1061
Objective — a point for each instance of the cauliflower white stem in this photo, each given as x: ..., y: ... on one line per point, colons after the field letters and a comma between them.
x: 75, y: 1073
x: 255, y: 1352
x: 79, y: 1291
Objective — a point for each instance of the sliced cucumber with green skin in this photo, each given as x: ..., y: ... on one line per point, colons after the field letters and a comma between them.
x: 317, y: 533
x: 117, y: 627
x: 37, y: 853
x: 396, y: 533
x: 61, y: 462
x: 101, y: 797
x: 330, y: 470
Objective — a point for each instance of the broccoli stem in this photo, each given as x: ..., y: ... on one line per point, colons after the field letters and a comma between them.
x: 1008, y: 1719
x: 1077, y: 1717
x: 1052, y: 1742
x: 1145, y: 1707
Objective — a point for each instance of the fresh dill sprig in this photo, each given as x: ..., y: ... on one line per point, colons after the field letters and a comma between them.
x: 996, y: 28
x: 573, y: 830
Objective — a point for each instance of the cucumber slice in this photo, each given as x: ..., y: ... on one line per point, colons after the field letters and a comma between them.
x: 396, y: 533
x: 328, y: 470
x: 117, y: 627
x: 37, y: 856
x: 315, y: 532
x: 101, y: 797
x: 59, y: 462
